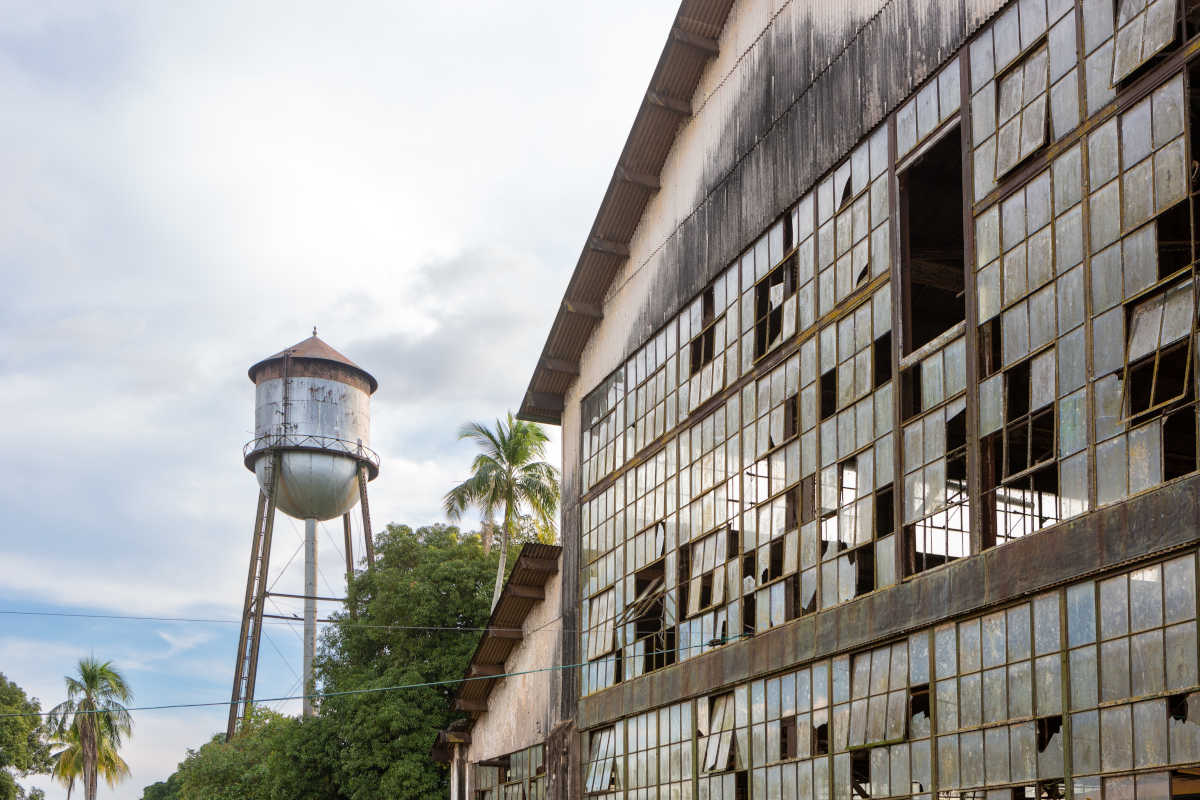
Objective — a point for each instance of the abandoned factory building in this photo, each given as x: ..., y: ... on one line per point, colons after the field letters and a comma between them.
x: 877, y: 378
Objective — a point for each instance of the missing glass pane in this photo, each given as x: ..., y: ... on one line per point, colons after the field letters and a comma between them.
x: 931, y: 201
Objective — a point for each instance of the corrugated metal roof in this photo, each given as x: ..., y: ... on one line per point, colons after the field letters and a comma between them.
x: 522, y: 591
x: 666, y: 104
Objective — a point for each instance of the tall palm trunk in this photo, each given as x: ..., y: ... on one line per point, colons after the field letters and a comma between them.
x: 91, y: 755
x: 509, y: 513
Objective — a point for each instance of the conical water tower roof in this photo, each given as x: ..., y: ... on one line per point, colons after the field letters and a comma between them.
x: 317, y: 349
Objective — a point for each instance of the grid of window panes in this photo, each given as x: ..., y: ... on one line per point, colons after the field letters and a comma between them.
x: 659, y: 753
x: 990, y: 703
x: 518, y: 776
x: 935, y: 509
x: 603, y: 448
x: 652, y: 375
x: 603, y: 519
x: 723, y: 751
x: 933, y: 104
x: 710, y: 327
x: 1032, y: 355
x: 1024, y: 86
x: 853, y: 208
x: 770, y: 537
x: 1142, y: 291
x: 772, y: 276
x: 1133, y: 673
x: 604, y: 764
x: 991, y: 730
x: 1084, y: 348
x: 709, y: 492
x: 854, y: 517
x: 647, y: 625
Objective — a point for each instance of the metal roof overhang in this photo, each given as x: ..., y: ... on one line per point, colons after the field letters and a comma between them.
x: 524, y: 588
x: 666, y: 106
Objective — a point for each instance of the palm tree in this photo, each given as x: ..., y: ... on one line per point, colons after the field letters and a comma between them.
x: 506, y: 477
x: 67, y: 761
x: 93, y: 721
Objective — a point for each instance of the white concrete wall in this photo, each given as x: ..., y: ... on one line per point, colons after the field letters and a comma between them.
x: 683, y: 187
x: 525, y: 708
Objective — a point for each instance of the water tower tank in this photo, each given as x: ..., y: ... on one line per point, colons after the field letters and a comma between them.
x: 313, y: 406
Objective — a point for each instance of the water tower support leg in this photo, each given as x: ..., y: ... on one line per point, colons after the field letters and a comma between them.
x: 366, y: 515
x: 349, y: 545
x: 310, y: 613
x: 246, y: 669
x: 247, y: 611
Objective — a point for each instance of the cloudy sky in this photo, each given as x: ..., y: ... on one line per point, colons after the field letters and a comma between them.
x: 191, y: 186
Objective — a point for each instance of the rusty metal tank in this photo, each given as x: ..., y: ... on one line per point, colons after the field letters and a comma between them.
x: 313, y: 407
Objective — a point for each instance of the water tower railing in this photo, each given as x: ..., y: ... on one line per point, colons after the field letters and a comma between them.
x: 310, y: 442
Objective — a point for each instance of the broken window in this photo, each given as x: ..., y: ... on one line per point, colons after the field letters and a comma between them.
x: 934, y: 263
x: 709, y: 326
x: 852, y: 222
x: 856, y: 511
x: 935, y: 508
x: 1158, y: 353
x: 719, y: 746
x: 775, y: 279
x: 706, y: 573
x: 1021, y: 103
x: 650, y: 621
x: 603, y: 760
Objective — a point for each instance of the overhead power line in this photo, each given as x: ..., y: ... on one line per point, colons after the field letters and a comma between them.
x: 218, y: 621
x: 380, y: 689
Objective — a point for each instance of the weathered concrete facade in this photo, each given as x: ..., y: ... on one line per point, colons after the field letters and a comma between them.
x: 880, y: 451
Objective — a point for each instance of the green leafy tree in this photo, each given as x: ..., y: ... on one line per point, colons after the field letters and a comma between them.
x: 415, y: 615
x: 94, y: 717
x: 23, y: 747
x: 508, y: 477
x: 163, y: 790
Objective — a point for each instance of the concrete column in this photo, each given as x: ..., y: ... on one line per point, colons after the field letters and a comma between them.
x: 310, y: 611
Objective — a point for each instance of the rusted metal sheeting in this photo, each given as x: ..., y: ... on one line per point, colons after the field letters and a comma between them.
x: 532, y: 569
x: 821, y: 78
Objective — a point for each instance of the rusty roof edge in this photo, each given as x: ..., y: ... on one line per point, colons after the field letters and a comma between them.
x: 528, y: 410
x: 528, y: 550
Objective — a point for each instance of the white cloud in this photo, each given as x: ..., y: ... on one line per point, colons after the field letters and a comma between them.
x: 189, y: 187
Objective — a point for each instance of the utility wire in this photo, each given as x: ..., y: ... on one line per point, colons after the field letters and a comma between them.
x: 380, y: 689
x: 217, y: 621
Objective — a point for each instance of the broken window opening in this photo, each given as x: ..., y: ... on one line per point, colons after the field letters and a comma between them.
x: 821, y: 739
x: 918, y: 712
x: 788, y: 743
x: 910, y: 392
x: 860, y: 772
x: 828, y: 394
x: 881, y: 357
x: 771, y: 296
x: 989, y: 348
x: 936, y: 506
x: 703, y: 345
x: 1047, y: 729
x: 934, y: 263
x: 1158, y: 351
x: 1173, y: 236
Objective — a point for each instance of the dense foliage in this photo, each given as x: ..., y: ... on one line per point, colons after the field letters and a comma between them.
x: 410, y: 625
x: 23, y: 748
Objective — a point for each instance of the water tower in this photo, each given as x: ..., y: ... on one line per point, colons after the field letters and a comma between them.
x: 312, y: 420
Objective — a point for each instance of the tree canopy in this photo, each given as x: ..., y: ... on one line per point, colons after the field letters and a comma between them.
x: 411, y: 622
x: 23, y: 748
